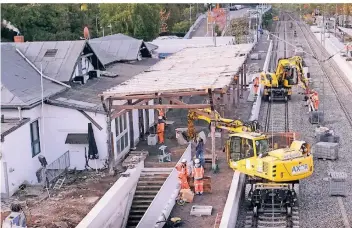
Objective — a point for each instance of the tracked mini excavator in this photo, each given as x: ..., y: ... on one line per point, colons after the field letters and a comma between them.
x: 273, y: 163
x: 278, y: 85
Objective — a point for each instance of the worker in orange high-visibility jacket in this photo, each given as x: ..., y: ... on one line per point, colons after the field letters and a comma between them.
x: 160, y: 130
x: 161, y: 113
x: 256, y: 86
x: 198, y: 175
x: 313, y: 101
x: 183, y: 174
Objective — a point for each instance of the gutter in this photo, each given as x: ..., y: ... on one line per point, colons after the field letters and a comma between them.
x: 34, y: 67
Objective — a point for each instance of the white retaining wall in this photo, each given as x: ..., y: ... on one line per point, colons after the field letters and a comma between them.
x: 230, y: 213
x: 112, y: 210
x: 164, y: 201
x: 256, y: 105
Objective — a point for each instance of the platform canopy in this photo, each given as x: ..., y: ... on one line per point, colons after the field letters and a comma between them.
x: 189, y: 70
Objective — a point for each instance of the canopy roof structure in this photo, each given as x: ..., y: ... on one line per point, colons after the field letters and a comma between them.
x: 190, y: 70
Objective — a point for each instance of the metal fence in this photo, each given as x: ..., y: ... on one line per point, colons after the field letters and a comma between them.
x: 57, y: 167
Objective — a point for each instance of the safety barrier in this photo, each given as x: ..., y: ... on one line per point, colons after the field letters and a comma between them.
x: 194, y: 26
x: 113, y: 208
x: 57, y: 167
x: 160, y: 209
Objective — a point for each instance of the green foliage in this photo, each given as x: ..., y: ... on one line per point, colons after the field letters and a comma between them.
x: 39, y: 22
x: 181, y: 27
x: 141, y: 21
x: 267, y: 20
x: 217, y: 30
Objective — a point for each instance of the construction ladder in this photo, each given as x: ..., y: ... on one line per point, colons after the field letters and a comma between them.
x: 59, y: 183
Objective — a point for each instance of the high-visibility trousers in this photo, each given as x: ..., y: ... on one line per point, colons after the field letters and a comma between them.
x: 161, y: 137
x: 310, y: 105
x: 183, y: 182
x: 198, y: 186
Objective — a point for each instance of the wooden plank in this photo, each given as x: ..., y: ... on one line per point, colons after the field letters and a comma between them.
x: 160, y: 95
x: 187, y: 106
x: 117, y: 113
x: 91, y: 119
x: 206, y: 184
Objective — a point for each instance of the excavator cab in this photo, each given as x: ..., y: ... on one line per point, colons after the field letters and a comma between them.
x: 258, y: 155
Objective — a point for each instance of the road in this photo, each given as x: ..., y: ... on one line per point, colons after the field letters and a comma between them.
x: 201, y: 31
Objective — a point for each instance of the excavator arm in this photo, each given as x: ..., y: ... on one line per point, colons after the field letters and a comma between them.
x: 220, y: 123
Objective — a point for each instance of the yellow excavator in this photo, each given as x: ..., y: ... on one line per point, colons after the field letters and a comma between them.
x: 220, y: 123
x: 273, y: 163
x: 278, y: 85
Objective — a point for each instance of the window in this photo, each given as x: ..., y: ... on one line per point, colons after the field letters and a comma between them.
x: 50, y: 53
x: 122, y: 139
x: 35, y: 140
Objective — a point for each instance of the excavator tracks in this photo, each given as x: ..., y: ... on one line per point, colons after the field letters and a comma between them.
x: 272, y: 215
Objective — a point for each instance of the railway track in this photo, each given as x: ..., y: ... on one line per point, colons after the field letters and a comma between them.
x: 339, y: 84
x: 272, y: 214
x: 277, y: 116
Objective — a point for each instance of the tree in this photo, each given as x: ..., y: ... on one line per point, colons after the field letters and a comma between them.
x: 140, y: 20
x: 181, y: 27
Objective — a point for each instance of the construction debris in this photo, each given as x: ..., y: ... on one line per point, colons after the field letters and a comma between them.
x: 198, y: 210
x: 134, y: 158
x: 206, y: 184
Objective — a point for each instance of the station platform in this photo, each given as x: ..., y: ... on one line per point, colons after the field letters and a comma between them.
x: 335, y: 47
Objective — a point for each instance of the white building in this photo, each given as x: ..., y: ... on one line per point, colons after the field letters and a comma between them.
x: 59, y: 128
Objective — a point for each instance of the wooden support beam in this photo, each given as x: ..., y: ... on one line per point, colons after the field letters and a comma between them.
x: 130, y: 118
x: 245, y: 76
x: 91, y: 119
x: 173, y: 100
x: 213, y: 152
x: 117, y: 112
x: 163, y: 106
x: 159, y: 95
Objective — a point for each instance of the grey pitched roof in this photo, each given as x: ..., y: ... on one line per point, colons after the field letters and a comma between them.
x: 59, y: 67
x: 116, y: 50
x: 86, y: 97
x: 121, y: 36
x: 20, y: 83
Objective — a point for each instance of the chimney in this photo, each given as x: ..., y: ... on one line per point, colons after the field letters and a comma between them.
x: 2, y: 119
x: 18, y: 39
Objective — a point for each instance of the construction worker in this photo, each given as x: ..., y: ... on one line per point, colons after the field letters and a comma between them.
x: 256, y: 86
x: 198, y: 175
x: 160, y: 129
x: 161, y: 113
x: 183, y: 174
x: 313, y: 101
x: 200, y: 150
